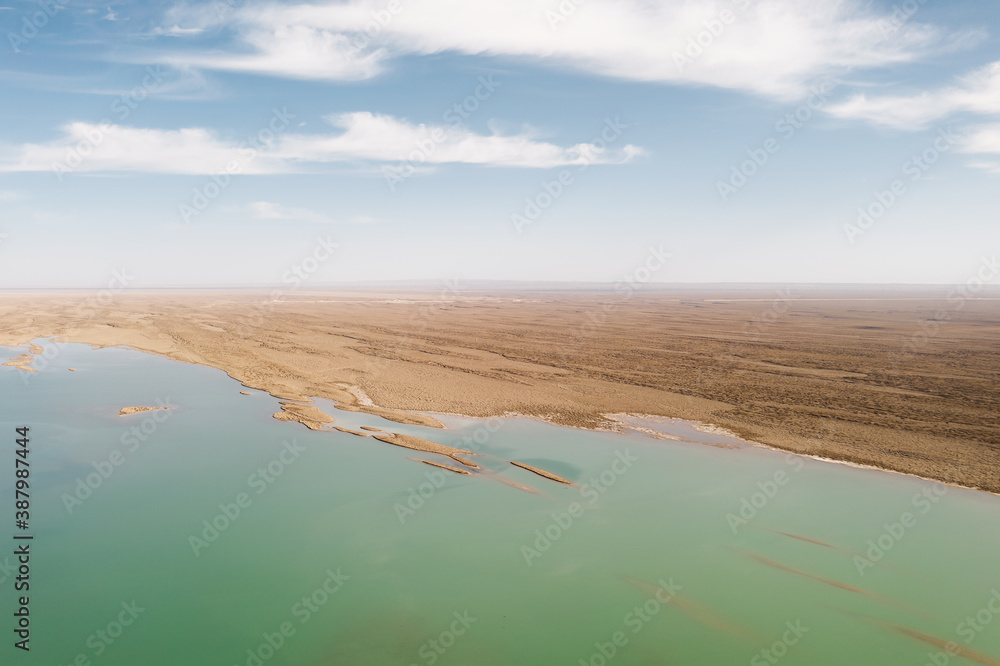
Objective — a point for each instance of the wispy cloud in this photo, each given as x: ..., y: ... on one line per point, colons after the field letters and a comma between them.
x: 767, y: 47
x: 363, y: 138
x: 992, y: 167
x: 177, y: 83
x: 266, y: 210
x: 177, y: 31
x: 982, y: 139
x: 977, y: 92
x: 381, y: 138
x: 120, y: 148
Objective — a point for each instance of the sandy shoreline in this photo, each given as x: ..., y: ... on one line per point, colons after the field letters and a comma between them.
x: 315, y: 419
x: 824, y: 378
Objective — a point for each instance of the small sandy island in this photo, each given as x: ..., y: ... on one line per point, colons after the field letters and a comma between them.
x: 136, y: 410
x: 467, y: 463
x: 310, y: 416
x: 443, y: 466
x: 22, y: 362
x: 419, y: 444
x: 244, y: 393
x: 542, y: 473
x: 349, y: 431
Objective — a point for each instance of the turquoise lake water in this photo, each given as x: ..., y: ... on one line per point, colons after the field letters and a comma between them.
x: 349, y: 552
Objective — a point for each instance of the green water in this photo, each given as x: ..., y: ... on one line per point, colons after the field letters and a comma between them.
x: 405, y: 570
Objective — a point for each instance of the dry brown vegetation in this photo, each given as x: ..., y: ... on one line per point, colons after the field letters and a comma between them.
x: 817, y: 372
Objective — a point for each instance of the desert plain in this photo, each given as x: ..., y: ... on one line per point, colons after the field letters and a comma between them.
x: 902, y: 378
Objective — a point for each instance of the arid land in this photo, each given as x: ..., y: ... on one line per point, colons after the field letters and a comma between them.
x: 905, y: 379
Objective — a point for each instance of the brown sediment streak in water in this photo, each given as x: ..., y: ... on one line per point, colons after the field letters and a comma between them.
x: 947, y: 646
x: 352, y: 432
x: 944, y: 645
x: 695, y: 610
x: 705, y: 616
x: 807, y: 539
x: 443, y: 466
x: 843, y: 586
x: 542, y: 472
x: 847, y: 551
x: 371, y: 428
x: 806, y: 574
x: 513, y: 484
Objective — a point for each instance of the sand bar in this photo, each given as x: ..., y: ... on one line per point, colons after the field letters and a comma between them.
x: 22, y: 362
x: 350, y: 432
x: 542, y: 472
x: 467, y: 463
x: 125, y: 411
x: 310, y: 416
x: 443, y: 466
x: 419, y: 444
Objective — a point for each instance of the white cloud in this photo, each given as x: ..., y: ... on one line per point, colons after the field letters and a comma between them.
x: 363, y: 138
x: 772, y: 47
x: 977, y: 92
x: 177, y: 31
x: 95, y: 147
x: 9, y: 195
x: 982, y: 139
x: 380, y: 138
x: 294, y: 51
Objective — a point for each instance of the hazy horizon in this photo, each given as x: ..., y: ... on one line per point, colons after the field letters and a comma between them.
x: 475, y: 286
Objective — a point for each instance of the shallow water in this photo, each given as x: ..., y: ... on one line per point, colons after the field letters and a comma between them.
x: 556, y: 577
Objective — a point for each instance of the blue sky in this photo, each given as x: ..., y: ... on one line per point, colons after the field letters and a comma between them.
x: 753, y: 141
